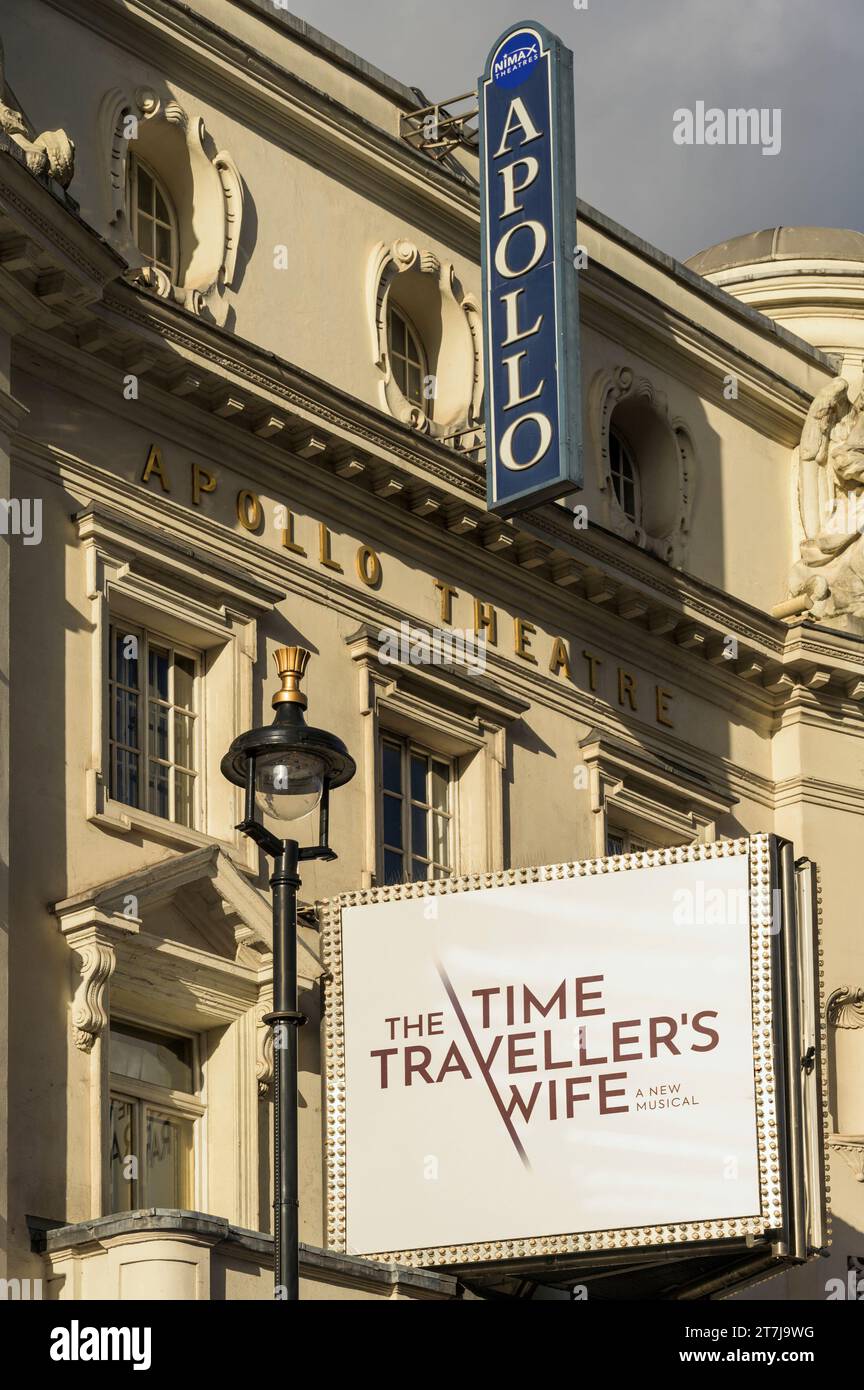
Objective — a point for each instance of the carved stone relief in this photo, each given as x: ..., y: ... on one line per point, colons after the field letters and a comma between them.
x: 457, y: 391
x: 830, y: 465
x: 845, y: 1011
x: 845, y: 1008
x: 209, y: 200
x: 51, y: 153
x: 670, y: 469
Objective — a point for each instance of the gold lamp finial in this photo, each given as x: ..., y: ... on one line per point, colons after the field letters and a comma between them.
x: 291, y: 663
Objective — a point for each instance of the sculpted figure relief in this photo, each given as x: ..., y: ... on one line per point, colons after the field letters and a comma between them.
x: 50, y: 153
x: 831, y: 499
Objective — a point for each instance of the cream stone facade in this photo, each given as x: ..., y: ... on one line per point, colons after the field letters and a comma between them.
x: 241, y: 381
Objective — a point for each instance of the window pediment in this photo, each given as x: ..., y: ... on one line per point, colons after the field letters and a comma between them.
x: 158, y: 558
x: 205, y: 972
x: 144, y: 576
x: 465, y: 700
x: 449, y: 710
x: 648, y: 794
x: 181, y: 947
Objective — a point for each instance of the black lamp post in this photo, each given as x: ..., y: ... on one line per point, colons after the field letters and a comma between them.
x: 288, y: 769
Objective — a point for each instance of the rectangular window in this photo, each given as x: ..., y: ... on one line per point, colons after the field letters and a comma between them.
x: 622, y: 842
x: 152, y: 700
x: 417, y: 789
x: 154, y: 1107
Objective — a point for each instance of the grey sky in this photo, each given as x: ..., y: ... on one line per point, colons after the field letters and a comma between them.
x: 636, y: 61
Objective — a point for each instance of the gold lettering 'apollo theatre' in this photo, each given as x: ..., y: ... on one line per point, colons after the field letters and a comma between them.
x: 564, y: 661
x: 516, y: 177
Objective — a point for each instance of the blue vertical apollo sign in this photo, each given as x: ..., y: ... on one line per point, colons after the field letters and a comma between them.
x: 530, y: 298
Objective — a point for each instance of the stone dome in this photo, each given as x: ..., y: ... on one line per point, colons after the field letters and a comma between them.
x: 780, y: 244
x: 809, y: 279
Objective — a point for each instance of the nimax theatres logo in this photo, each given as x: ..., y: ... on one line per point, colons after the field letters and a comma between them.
x: 519, y: 55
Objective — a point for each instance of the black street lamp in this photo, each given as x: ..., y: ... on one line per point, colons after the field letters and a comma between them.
x: 288, y: 769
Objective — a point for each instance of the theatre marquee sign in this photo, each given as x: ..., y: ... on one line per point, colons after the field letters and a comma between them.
x: 530, y: 302
x: 591, y: 1056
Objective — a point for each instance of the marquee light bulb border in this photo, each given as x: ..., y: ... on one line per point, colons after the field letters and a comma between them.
x: 768, y: 1063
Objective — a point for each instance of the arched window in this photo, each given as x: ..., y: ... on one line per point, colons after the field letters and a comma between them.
x: 154, y: 221
x: 625, y: 478
x: 407, y: 358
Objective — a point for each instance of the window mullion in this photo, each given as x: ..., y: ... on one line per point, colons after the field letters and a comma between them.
x: 430, y: 822
x: 144, y: 723
x: 170, y: 717
x: 408, y: 850
x: 197, y: 745
x: 141, y: 1152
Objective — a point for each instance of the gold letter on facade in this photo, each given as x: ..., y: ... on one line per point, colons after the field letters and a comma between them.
x: 663, y: 698
x: 154, y: 465
x: 288, y: 542
x: 202, y: 481
x: 369, y: 566
x: 593, y: 663
x: 447, y: 596
x: 626, y: 686
x: 559, y: 661
x: 485, y: 617
x: 324, y: 555
x: 249, y: 510
x: 522, y: 633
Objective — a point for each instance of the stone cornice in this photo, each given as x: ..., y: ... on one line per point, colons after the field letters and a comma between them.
x: 814, y: 791
x: 326, y: 1266
x: 230, y: 358
x: 352, y: 422
x: 693, y: 353
x: 604, y: 627
x: 56, y: 227
x: 105, y: 903
x: 703, y: 289
x: 12, y: 413
x: 571, y: 575
x: 349, y: 422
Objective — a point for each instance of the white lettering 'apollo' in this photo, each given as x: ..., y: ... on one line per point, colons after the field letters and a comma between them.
x: 502, y: 265
x: 545, y: 439
x: 511, y: 187
x: 515, y: 334
x: 517, y: 117
x: 528, y: 167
